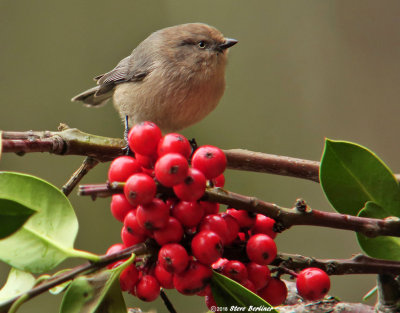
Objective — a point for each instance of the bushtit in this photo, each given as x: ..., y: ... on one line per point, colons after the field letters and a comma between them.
x: 174, y: 78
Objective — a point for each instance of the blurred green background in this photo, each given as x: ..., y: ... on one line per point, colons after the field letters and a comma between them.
x: 302, y: 71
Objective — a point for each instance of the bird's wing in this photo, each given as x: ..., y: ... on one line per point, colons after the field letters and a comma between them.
x: 126, y: 71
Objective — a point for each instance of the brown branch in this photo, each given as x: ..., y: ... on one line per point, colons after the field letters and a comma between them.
x: 301, y: 214
x: 87, y: 268
x: 86, y: 166
x: 71, y: 141
x: 358, y: 264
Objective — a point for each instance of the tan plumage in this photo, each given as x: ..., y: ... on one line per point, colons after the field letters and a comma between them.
x: 174, y: 78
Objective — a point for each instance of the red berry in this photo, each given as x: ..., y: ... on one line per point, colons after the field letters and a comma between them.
x: 120, y: 206
x: 148, y: 288
x: 205, y: 292
x: 174, y: 143
x: 264, y: 225
x: 123, y: 167
x: 219, y: 265
x: 261, y: 249
x: 140, y: 189
x: 143, y: 138
x: 275, y: 292
x: 259, y: 275
x: 244, y: 218
x: 193, y: 186
x: 233, y: 228
x: 216, y: 224
x: 194, y: 279
x: 171, y: 169
x: 173, y: 257
x: 207, y: 247
x: 130, y: 239
x: 129, y: 277
x: 164, y: 278
x: 210, y: 160
x: 132, y: 226
x: 235, y: 270
x: 154, y: 215
x: 313, y: 284
x: 219, y: 181
x: 209, y: 207
x: 247, y: 283
x: 188, y: 213
x: 173, y: 232
x: 113, y: 249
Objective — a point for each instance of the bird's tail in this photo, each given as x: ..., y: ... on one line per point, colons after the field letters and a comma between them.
x: 92, y: 98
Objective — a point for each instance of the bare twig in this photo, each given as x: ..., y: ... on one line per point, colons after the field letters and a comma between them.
x: 86, y: 166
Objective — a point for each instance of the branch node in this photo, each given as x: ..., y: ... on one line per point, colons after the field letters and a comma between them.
x: 302, y: 206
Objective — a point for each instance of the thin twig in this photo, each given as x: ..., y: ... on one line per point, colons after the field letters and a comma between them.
x: 86, y: 166
x: 167, y: 302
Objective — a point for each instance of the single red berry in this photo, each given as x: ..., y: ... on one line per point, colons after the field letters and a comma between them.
x: 275, y: 292
x: 217, y: 224
x: 207, y: 247
x: 147, y: 288
x: 219, y: 265
x: 209, y: 207
x: 244, y: 218
x: 129, y: 277
x: 247, y: 283
x: 219, y: 181
x: 173, y: 232
x: 113, y: 249
x: 173, y: 257
x: 233, y: 227
x: 154, y: 215
x: 264, y: 225
x: 120, y: 206
x: 123, y: 167
x: 130, y: 239
x: 144, y: 137
x: 194, y: 279
x: 174, y: 143
x: 188, y: 213
x: 171, y: 169
x: 140, y: 189
x: 164, y: 277
x: 235, y: 270
x: 259, y: 275
x: 193, y: 186
x: 313, y: 284
x: 261, y: 249
x: 210, y: 160
x: 132, y: 226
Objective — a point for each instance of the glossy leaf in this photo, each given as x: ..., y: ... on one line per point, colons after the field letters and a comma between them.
x: 382, y: 247
x: 12, y: 216
x: 228, y: 294
x: 17, y: 283
x: 47, y: 238
x: 351, y: 175
x: 99, y: 292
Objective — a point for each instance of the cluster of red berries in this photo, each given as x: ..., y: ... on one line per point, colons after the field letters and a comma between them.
x: 191, y: 234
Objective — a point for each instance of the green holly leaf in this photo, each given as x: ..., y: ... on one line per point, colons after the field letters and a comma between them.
x: 47, y: 238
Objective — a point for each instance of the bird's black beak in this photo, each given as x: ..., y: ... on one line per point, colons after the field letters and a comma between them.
x: 229, y: 42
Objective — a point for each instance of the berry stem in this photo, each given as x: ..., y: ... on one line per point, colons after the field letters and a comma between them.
x: 167, y: 302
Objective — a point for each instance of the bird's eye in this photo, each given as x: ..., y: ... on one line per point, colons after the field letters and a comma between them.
x: 201, y: 44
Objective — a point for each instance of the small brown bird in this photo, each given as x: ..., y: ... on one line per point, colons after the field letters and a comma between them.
x: 174, y: 78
